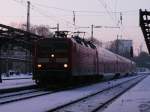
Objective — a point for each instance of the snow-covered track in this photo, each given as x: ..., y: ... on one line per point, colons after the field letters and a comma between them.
x: 16, y: 89
x: 95, y: 101
x: 22, y: 95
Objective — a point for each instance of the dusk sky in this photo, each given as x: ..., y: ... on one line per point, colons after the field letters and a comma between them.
x: 88, y: 12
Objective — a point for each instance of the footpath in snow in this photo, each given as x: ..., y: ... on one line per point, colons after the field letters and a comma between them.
x: 136, y: 99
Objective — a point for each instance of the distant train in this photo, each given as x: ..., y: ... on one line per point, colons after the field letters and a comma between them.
x: 61, y: 59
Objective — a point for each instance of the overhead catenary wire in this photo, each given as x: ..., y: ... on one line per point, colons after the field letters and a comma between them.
x: 105, y: 7
x: 48, y: 16
x: 36, y: 7
x: 86, y: 11
x: 83, y: 11
x: 56, y: 8
x: 33, y: 7
x: 79, y: 11
x: 67, y: 21
x: 116, y: 2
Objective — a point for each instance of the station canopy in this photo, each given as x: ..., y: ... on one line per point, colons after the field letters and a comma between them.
x: 16, y: 36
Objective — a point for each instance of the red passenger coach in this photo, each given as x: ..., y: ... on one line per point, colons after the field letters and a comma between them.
x: 65, y: 59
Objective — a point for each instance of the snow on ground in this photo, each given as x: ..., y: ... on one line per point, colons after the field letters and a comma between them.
x: 46, y: 102
x: 16, y: 82
x: 7, y: 84
x: 15, y: 76
x: 136, y: 99
x: 91, y: 103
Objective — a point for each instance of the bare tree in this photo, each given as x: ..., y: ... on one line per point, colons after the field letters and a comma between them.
x: 42, y: 30
x: 119, y: 47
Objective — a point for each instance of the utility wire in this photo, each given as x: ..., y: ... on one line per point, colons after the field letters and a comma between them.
x: 105, y: 7
x: 20, y: 2
x: 48, y: 16
x: 82, y: 11
x: 33, y: 7
x: 116, y: 2
x: 46, y: 6
x: 23, y: 2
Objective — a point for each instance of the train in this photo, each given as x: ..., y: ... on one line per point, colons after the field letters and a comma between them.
x: 62, y: 59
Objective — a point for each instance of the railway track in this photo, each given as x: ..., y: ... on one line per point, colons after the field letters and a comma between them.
x: 17, y: 89
x: 96, y: 101
x: 22, y: 95
x: 6, y: 98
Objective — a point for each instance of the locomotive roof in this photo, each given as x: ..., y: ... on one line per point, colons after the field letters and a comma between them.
x: 76, y: 39
x: 84, y: 42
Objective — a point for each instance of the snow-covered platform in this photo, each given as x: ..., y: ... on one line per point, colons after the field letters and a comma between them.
x: 16, y: 82
x: 136, y: 99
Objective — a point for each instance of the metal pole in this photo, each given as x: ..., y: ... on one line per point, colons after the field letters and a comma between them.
x: 28, y: 30
x: 0, y: 66
x: 117, y: 53
x: 74, y: 18
x: 28, y: 16
x: 121, y: 18
x: 92, y: 27
x: 58, y: 27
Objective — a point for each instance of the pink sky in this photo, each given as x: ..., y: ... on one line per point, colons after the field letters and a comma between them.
x: 88, y: 12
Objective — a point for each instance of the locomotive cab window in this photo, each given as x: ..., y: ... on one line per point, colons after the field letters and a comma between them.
x: 52, y: 47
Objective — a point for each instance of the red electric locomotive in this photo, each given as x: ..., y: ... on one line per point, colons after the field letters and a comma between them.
x: 65, y: 59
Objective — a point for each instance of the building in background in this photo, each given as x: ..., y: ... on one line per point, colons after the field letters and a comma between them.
x: 15, y: 59
x: 122, y: 47
x: 142, y: 69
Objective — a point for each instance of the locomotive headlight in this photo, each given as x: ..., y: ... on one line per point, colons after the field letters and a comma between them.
x: 52, y: 55
x: 39, y: 65
x: 65, y: 65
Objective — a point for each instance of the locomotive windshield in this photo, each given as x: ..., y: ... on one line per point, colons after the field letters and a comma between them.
x: 44, y: 48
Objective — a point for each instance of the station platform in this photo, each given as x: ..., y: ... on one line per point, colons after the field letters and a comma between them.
x: 137, y: 99
x: 16, y: 82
